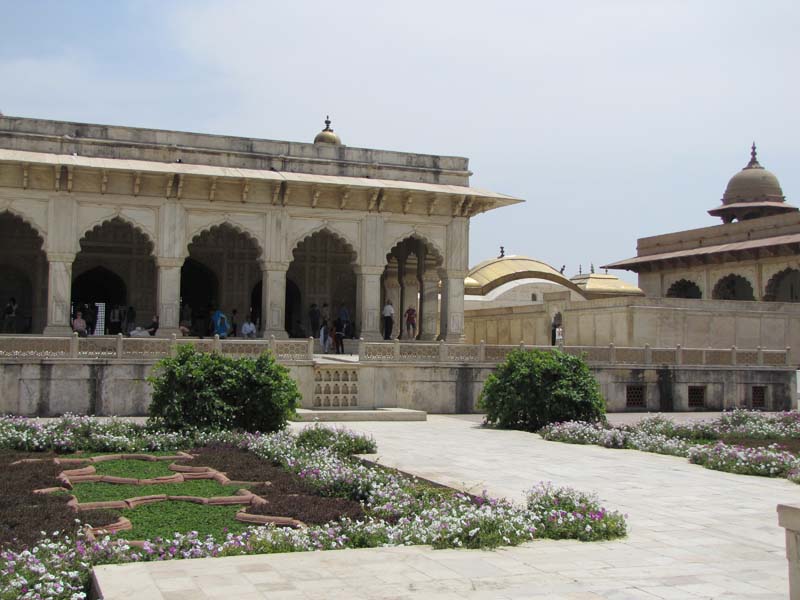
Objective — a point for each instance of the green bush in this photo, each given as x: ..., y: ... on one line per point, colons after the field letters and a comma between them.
x: 342, y: 441
x: 210, y: 391
x: 534, y: 388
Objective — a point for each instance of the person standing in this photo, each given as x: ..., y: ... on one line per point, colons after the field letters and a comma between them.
x: 314, y: 316
x: 10, y: 316
x: 411, y: 323
x: 220, y: 323
x: 388, y: 320
x: 130, y: 320
x: 338, y: 336
x: 79, y: 324
x: 344, y: 317
x: 234, y: 324
x: 114, y: 319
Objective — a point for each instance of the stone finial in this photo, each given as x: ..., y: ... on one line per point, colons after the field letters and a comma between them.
x: 753, y: 164
x: 502, y: 252
x: 591, y: 268
x: 561, y: 270
x: 328, y: 124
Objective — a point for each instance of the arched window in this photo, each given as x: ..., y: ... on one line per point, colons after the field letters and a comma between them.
x: 684, y: 288
x: 784, y: 287
x: 733, y: 287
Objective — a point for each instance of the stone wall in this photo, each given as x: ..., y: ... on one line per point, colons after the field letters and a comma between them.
x: 118, y: 386
x: 659, y: 322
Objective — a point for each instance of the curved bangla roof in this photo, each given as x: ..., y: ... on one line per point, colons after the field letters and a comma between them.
x: 492, y: 273
x: 603, y: 285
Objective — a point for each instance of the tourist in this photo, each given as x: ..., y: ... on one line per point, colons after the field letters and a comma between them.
x: 79, y: 324
x: 185, y: 328
x: 10, y: 316
x: 90, y: 314
x: 114, y: 320
x: 234, y: 323
x: 325, y: 337
x: 325, y: 312
x: 388, y: 320
x: 153, y: 327
x: 314, y: 316
x: 411, y: 323
x: 219, y: 324
x: 338, y: 335
x: 344, y: 317
x: 130, y: 320
x: 248, y: 329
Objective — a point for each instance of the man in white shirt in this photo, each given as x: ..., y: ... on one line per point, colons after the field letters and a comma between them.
x: 248, y: 329
x: 388, y: 320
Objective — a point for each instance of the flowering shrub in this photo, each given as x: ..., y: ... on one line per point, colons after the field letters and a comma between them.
x: 660, y: 435
x: 403, y: 511
x: 768, y: 462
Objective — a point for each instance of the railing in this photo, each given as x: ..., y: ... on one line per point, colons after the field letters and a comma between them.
x: 396, y: 351
x: 108, y: 347
x: 119, y: 347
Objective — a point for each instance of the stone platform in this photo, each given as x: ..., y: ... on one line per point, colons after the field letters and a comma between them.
x: 305, y: 415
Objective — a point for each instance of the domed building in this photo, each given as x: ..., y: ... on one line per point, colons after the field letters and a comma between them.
x: 752, y: 256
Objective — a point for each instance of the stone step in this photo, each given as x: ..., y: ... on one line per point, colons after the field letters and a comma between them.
x: 306, y: 415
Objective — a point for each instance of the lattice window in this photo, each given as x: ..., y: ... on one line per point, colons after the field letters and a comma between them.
x: 697, y: 396
x: 759, y: 396
x: 634, y: 396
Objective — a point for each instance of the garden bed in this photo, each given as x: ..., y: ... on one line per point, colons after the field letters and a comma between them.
x: 312, y: 477
x: 744, y: 442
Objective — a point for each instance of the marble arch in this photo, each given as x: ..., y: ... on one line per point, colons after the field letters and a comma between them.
x: 733, y: 287
x: 199, y: 232
x: 40, y: 231
x: 23, y: 271
x: 330, y: 228
x: 93, y: 223
x: 414, y: 234
x: 774, y: 291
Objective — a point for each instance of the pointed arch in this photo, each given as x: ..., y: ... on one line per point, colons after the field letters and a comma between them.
x: 210, y: 228
x: 331, y: 229
x: 784, y: 286
x: 684, y: 288
x: 119, y: 216
x: 26, y: 220
x: 436, y: 253
x: 733, y: 287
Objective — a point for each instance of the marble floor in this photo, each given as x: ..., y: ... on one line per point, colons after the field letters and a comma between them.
x: 694, y: 533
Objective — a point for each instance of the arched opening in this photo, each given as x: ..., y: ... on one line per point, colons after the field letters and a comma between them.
x: 684, y: 288
x: 784, y: 287
x: 23, y: 275
x: 200, y: 291
x: 733, y: 287
x: 220, y: 273
x: 115, y: 269
x: 557, y: 330
x: 320, y: 274
x: 411, y: 284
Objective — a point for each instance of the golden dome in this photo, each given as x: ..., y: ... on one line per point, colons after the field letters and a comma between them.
x: 326, y: 136
x: 603, y: 285
x: 752, y: 184
x: 492, y: 273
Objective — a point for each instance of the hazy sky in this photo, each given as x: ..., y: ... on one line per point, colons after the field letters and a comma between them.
x: 612, y: 119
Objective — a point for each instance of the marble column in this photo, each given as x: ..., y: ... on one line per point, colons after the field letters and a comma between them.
x: 392, y: 286
x: 169, y: 295
x: 273, y: 299
x: 369, y: 298
x: 452, y: 313
x: 429, y: 304
x: 410, y: 294
x: 59, y: 296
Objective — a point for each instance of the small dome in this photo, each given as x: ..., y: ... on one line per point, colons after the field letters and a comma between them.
x: 327, y: 136
x: 753, y: 184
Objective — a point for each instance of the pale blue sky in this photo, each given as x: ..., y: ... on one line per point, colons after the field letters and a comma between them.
x: 614, y: 120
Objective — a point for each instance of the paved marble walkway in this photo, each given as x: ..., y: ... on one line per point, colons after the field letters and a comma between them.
x: 694, y: 533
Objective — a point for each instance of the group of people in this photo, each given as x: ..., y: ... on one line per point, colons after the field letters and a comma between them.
x: 410, y: 318
x: 216, y: 322
x: 332, y: 332
x: 119, y: 320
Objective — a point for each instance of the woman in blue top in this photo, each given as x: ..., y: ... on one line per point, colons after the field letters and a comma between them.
x: 220, y: 323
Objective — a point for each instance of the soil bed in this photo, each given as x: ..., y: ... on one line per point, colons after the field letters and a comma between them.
x: 23, y: 514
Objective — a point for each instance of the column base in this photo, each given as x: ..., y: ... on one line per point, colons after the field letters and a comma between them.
x: 427, y: 337
x: 58, y: 331
x: 454, y: 338
x: 165, y: 332
x: 279, y: 334
x: 373, y: 337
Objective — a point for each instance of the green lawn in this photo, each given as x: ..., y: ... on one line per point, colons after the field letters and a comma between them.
x: 137, y: 469
x: 98, y: 492
x: 163, y: 519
